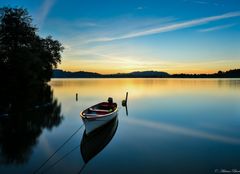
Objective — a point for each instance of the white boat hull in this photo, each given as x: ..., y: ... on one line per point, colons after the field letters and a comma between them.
x: 95, y: 123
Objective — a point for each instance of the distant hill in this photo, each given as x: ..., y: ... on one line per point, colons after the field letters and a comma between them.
x: 235, y: 73
x: 139, y: 74
x: 82, y: 74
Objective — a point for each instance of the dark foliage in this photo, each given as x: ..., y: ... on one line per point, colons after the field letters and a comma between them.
x: 24, y: 56
x: 80, y: 74
x: 27, y: 105
x: 235, y: 73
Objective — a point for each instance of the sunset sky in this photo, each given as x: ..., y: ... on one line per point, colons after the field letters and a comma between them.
x: 109, y: 36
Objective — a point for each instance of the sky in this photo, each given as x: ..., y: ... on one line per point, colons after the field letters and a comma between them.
x: 110, y: 36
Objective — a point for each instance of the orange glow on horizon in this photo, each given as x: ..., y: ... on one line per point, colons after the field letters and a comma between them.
x: 107, y: 67
x: 170, y: 71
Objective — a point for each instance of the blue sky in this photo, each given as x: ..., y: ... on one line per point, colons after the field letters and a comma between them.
x: 192, y: 36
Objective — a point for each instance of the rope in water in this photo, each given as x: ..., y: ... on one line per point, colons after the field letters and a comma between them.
x: 64, y: 156
x: 81, y: 169
x: 58, y: 149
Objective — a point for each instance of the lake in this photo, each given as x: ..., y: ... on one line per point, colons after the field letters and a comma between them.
x: 171, y: 126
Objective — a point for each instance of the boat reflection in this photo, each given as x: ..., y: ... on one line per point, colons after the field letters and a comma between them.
x: 95, y: 142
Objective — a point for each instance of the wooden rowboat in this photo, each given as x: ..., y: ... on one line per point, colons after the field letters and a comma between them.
x: 98, y: 115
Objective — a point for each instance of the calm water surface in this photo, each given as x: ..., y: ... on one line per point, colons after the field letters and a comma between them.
x: 172, y: 126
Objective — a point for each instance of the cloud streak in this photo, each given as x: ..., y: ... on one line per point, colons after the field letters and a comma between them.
x: 43, y: 11
x: 169, y: 27
x: 217, y: 28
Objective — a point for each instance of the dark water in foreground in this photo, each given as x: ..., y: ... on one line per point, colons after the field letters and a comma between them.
x: 173, y: 126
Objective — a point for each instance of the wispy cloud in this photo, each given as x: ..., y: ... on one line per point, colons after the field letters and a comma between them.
x: 169, y: 27
x: 43, y: 11
x: 216, y: 28
x: 86, y: 43
x: 140, y: 8
x: 132, y: 58
x: 200, y: 2
x: 205, y: 3
x: 95, y: 29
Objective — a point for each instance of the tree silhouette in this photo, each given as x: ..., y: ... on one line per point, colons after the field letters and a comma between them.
x: 27, y: 105
x: 25, y: 57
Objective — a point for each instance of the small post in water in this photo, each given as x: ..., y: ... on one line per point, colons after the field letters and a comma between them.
x: 126, y: 97
x: 76, y: 96
x: 124, y: 102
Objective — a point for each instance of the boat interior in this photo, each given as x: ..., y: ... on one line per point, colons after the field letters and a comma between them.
x: 101, y: 109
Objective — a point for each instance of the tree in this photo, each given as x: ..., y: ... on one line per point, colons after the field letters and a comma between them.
x: 25, y: 57
x: 27, y: 105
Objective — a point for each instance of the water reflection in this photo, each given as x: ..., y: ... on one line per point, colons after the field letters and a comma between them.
x: 94, y: 143
x: 24, y: 113
x: 174, y: 125
x: 139, y: 88
x: 186, y: 125
x: 170, y: 128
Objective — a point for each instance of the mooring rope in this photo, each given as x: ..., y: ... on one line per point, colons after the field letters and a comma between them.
x: 81, y: 169
x: 57, y: 150
x: 64, y: 156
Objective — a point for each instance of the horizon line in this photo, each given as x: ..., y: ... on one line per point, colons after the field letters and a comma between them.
x: 146, y: 71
